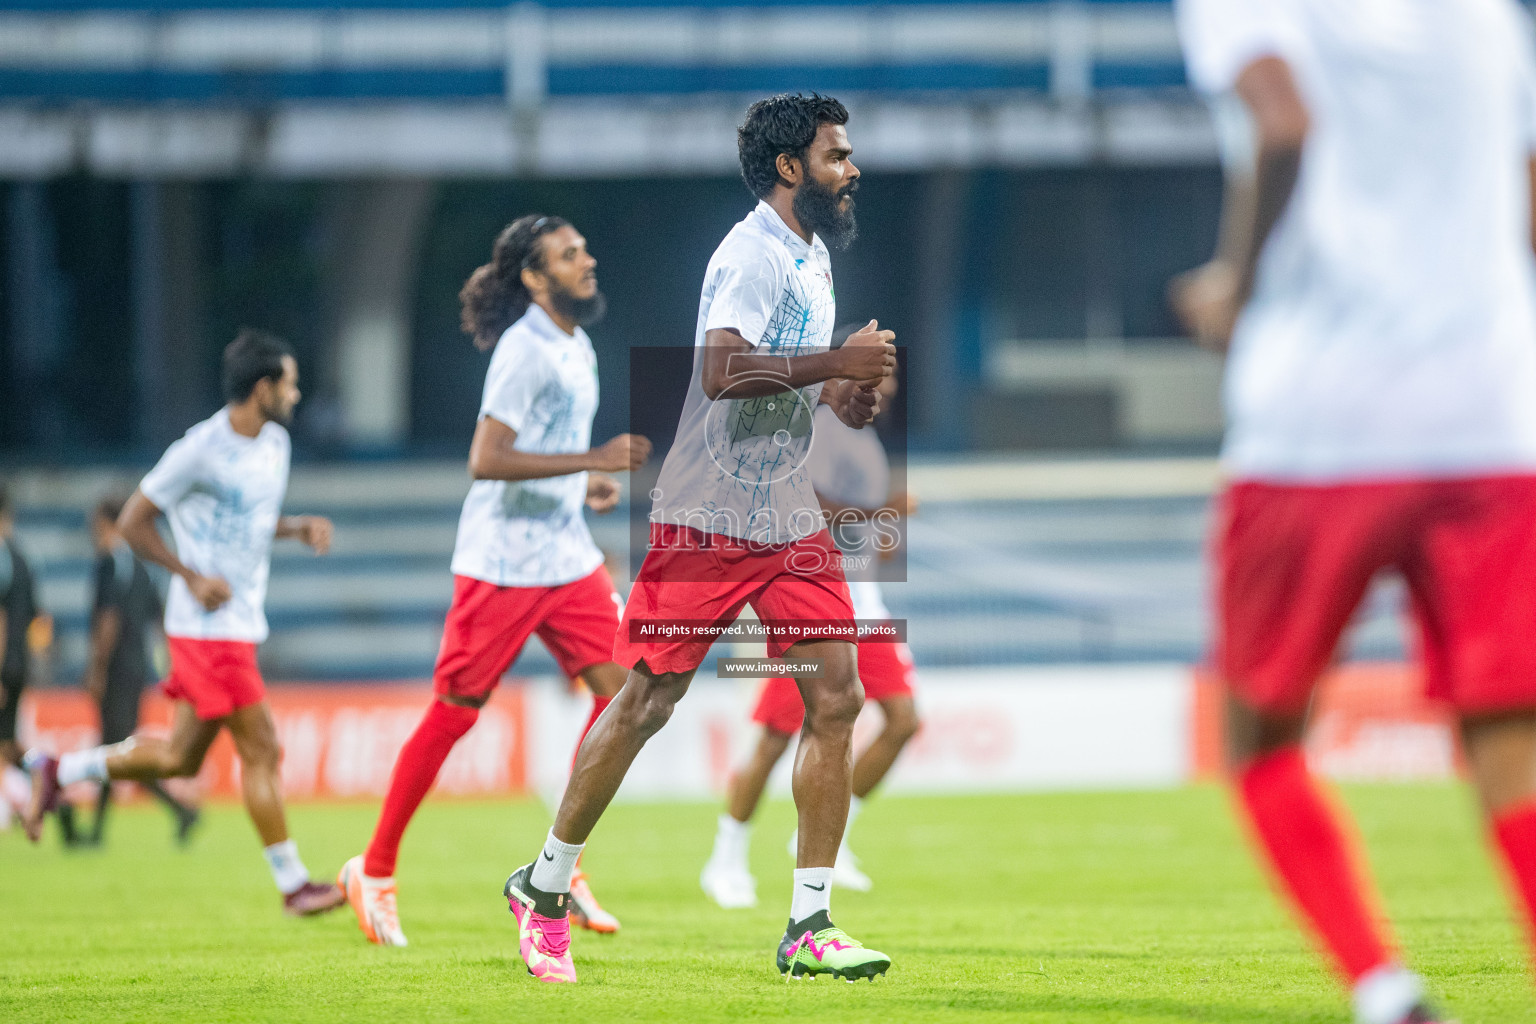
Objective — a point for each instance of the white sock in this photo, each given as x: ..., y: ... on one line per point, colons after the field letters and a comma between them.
x: 813, y: 892
x: 556, y: 864
x: 15, y: 786
x: 82, y: 765
x: 15, y: 790
x: 855, y: 804
x: 288, y: 871
x: 732, y: 840
x: 1385, y: 994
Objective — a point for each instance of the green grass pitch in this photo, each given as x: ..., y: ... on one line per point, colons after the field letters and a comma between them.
x: 1091, y: 907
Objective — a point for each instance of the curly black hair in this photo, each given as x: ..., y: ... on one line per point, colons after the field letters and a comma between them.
x: 494, y: 297
x: 781, y: 124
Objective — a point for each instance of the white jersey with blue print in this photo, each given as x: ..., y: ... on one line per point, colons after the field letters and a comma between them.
x: 222, y: 493
x: 737, y: 466
x: 850, y: 467
x: 1392, y: 328
x: 532, y: 533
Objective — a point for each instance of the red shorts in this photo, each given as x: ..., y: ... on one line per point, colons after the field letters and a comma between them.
x: 488, y: 625
x: 885, y: 669
x: 692, y: 577
x: 217, y: 677
x: 1293, y: 562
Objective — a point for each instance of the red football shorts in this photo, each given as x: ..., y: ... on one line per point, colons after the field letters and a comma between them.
x: 885, y: 669
x: 217, y: 677
x: 1293, y: 562
x: 488, y: 625
x: 706, y: 579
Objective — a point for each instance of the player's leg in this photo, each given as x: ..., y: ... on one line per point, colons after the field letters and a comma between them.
x: 673, y: 584
x: 887, y: 673
x: 603, y: 681
x: 538, y: 893
x: 811, y: 596
x: 579, y: 630
x: 120, y: 720
x: 874, y: 762
x: 823, y: 778
x: 119, y: 711
x: 727, y: 875
x: 644, y: 703
x: 186, y: 815
x: 485, y: 629
x: 11, y: 686
x: 1501, y: 756
x: 1476, y: 612
x: 111, y: 733
x: 137, y: 759
x: 642, y: 707
x: 1293, y: 564
x: 261, y: 784
x: 751, y: 779
x: 900, y: 724
x: 13, y: 781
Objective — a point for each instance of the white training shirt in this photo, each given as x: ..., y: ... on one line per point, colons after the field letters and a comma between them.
x: 542, y: 383
x: 737, y: 466
x: 849, y: 466
x: 1392, y: 331
x: 222, y: 493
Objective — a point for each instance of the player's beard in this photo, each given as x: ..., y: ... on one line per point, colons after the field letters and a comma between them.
x: 820, y: 209
x: 582, y: 312
x: 276, y: 412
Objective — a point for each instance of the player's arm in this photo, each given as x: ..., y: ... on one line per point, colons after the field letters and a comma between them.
x: 493, y: 455
x: 314, y: 531
x: 137, y: 525
x: 7, y: 580
x: 106, y: 625
x: 106, y: 628
x: 1210, y: 298
x: 603, y: 492
x: 1531, y: 171
x: 853, y: 402
x: 731, y: 369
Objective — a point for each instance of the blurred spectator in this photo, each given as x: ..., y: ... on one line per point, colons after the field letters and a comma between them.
x: 124, y: 608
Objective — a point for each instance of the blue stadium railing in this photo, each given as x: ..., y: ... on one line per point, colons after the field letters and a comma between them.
x: 253, y: 53
x: 152, y: 6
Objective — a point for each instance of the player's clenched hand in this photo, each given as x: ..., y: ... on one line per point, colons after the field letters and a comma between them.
x: 316, y: 531
x: 860, y: 404
x: 625, y: 453
x: 869, y: 355
x: 210, y: 591
x: 95, y: 683
x: 602, y: 492
x: 1206, y: 300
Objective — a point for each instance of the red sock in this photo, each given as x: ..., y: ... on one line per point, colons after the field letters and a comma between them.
x: 1314, y: 859
x: 415, y: 770
x: 1515, y: 830
x: 598, y: 703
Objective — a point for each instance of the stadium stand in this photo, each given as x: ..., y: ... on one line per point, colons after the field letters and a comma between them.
x: 1009, y: 562
x: 553, y: 88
